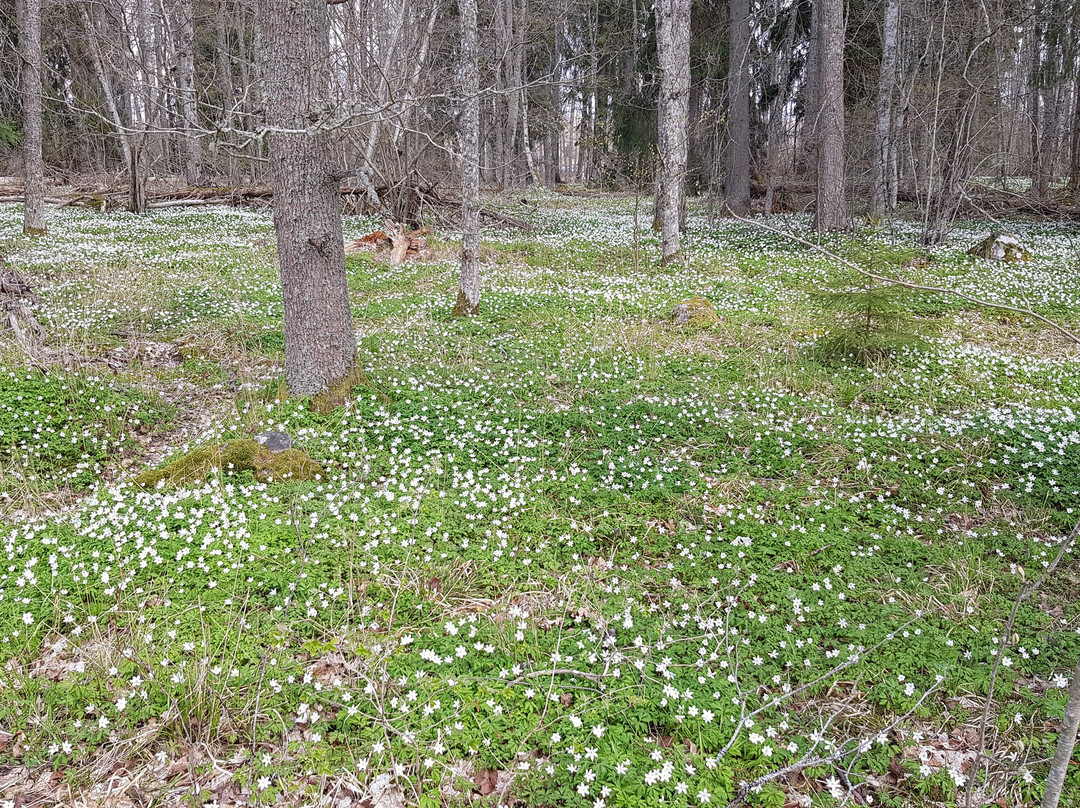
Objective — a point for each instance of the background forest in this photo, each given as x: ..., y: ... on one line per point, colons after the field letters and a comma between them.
x: 934, y: 96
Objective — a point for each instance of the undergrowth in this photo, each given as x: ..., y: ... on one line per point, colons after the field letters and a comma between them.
x: 564, y: 552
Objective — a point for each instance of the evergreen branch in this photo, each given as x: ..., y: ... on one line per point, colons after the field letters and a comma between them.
x: 909, y: 284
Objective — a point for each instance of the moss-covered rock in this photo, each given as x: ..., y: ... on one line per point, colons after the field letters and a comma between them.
x: 1001, y: 247
x: 233, y: 457
x: 695, y: 312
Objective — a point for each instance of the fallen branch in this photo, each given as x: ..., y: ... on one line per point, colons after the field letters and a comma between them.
x: 1006, y: 640
x: 909, y: 284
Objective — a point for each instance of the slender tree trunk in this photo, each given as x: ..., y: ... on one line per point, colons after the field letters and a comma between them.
x: 1037, y: 113
x: 673, y: 44
x: 775, y: 135
x: 224, y: 80
x: 305, y: 175
x: 33, y: 165
x: 1074, y: 168
x: 185, y: 57
x: 106, y: 87
x: 737, y: 182
x: 1059, y: 766
x: 812, y: 91
x: 829, y: 212
x: 468, y: 301
x: 884, y: 146
x: 526, y: 142
x: 137, y: 178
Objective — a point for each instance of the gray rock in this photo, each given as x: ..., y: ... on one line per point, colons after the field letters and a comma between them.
x: 274, y: 441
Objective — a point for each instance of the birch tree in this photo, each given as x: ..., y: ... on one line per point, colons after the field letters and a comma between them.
x: 673, y: 46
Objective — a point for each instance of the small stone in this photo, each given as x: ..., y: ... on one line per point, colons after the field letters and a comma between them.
x: 274, y: 441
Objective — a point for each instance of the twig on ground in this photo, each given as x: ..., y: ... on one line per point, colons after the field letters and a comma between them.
x: 910, y: 284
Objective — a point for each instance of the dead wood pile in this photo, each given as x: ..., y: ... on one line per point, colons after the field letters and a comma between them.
x: 16, y: 297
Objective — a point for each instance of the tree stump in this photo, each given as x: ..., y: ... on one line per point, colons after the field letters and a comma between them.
x: 16, y: 297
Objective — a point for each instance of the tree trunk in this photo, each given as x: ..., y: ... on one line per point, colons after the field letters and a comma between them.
x: 737, y: 182
x: 468, y: 301
x: 884, y: 146
x: 1059, y: 767
x: 1037, y: 101
x: 673, y: 45
x: 776, y: 128
x: 320, y: 343
x: 137, y: 177
x: 185, y: 57
x: 829, y: 213
x: 106, y: 86
x: 1074, y: 168
x: 33, y: 165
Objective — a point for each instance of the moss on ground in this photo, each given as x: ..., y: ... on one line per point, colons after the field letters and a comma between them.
x: 337, y: 394
x: 696, y: 312
x: 233, y: 457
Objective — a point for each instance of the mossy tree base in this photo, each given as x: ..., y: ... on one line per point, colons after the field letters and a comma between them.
x: 463, y: 308
x: 231, y: 458
x: 340, y: 392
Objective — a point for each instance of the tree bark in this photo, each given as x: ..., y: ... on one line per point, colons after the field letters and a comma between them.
x: 468, y: 301
x: 673, y: 45
x: 884, y: 143
x: 305, y: 175
x: 185, y: 57
x: 1074, y: 168
x: 737, y: 182
x: 829, y: 213
x: 1059, y: 766
x: 776, y: 128
x: 33, y: 165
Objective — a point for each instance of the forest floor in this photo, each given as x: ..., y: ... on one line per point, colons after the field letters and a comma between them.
x: 564, y: 553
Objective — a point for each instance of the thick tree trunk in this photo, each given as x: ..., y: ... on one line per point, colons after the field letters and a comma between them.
x: 305, y: 175
x: 884, y: 142
x: 737, y: 182
x: 33, y: 165
x: 673, y: 44
x: 468, y: 301
x: 829, y: 212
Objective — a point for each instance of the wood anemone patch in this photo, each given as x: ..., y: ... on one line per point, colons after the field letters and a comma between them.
x: 233, y: 457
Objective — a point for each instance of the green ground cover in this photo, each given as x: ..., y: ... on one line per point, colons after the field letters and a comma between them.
x: 563, y: 553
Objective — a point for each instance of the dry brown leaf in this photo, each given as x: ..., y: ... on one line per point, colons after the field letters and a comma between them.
x: 486, y: 780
